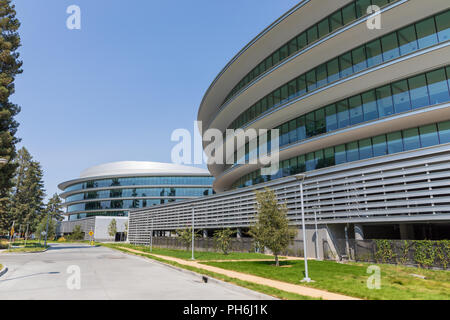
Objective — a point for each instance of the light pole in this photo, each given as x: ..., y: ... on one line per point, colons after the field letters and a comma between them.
x: 317, y: 233
x: 193, y: 212
x: 301, y: 177
x: 46, y: 231
x: 151, y: 237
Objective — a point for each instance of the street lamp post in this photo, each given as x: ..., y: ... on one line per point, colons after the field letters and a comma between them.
x: 317, y: 233
x: 301, y: 177
x: 193, y: 212
x: 151, y: 237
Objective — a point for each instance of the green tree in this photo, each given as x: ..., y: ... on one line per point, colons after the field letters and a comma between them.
x: 112, y: 228
x: 185, y: 235
x: 27, y: 199
x: 222, y: 238
x: 77, y: 233
x: 271, y: 229
x: 10, y: 67
x: 54, y: 208
x: 51, y: 227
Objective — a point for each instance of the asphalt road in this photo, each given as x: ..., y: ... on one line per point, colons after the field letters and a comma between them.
x: 73, y: 272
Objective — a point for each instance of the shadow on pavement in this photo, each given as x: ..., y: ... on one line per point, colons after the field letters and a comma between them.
x: 31, y: 275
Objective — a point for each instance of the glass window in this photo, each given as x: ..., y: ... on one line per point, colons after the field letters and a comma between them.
x: 285, y: 134
x: 324, y: 28
x: 419, y: 91
x: 428, y: 135
x: 292, y: 131
x: 294, y: 165
x: 311, y: 80
x: 407, y: 40
x: 365, y: 149
x: 443, y: 26
x: 284, y: 93
x: 310, y: 125
x: 331, y: 119
x: 276, y: 97
x: 369, y: 105
x: 336, y: 20
x: 268, y: 63
x: 293, y: 46
x: 343, y: 115
x: 411, y: 139
x: 345, y: 62
x: 444, y: 132
x: 302, y: 41
x: 329, y: 157
x: 355, y: 109
x: 380, y: 3
x: 320, y: 160
x: 359, y: 59
x: 312, y: 34
x: 339, y: 154
x: 284, y: 52
x: 384, y: 101
x: 276, y: 57
x: 349, y: 13
x: 389, y: 44
x: 401, y: 96
x: 426, y: 33
x: 301, y: 162
x: 301, y: 85
x: 352, y: 151
x: 361, y: 7
x: 437, y: 86
x: 321, y: 72
x: 263, y: 104
x: 258, y: 109
x: 269, y: 101
x: 374, y: 53
x: 292, y: 89
x: 395, y: 143
x: 310, y: 161
x: 301, y: 128
x: 379, y: 146
x: 320, y: 121
x: 333, y: 70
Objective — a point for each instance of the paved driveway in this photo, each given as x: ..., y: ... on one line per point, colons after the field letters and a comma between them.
x: 104, y: 274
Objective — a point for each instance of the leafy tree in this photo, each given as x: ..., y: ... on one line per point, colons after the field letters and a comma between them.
x: 51, y: 227
x: 10, y: 67
x: 54, y: 208
x: 112, y: 228
x: 77, y: 233
x: 185, y: 235
x: 271, y: 229
x: 27, y: 199
x: 222, y: 238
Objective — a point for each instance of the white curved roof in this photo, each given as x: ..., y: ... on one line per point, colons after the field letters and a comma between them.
x: 135, y: 169
x: 141, y: 167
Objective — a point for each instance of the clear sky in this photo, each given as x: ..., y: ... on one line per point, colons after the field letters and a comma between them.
x: 137, y: 70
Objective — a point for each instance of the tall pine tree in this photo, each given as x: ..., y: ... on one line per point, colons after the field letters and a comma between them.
x: 10, y: 67
x: 27, y: 199
x: 54, y: 207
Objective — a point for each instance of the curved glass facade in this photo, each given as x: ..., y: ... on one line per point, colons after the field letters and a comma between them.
x: 390, y: 143
x: 342, y: 17
x: 131, y: 193
x: 414, y: 37
x: 415, y: 92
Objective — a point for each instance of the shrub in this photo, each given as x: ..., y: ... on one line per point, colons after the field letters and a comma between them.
x: 222, y: 239
x: 424, y: 253
x: 62, y: 239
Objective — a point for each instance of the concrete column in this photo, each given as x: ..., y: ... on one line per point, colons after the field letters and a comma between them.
x: 359, y: 233
x: 406, y: 232
x: 239, y: 233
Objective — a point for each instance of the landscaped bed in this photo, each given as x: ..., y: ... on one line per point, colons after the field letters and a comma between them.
x: 351, y: 279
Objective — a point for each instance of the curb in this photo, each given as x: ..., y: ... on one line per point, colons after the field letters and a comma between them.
x: 3, y: 271
x: 233, y: 286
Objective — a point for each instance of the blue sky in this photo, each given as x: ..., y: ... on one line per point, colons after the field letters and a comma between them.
x: 137, y: 70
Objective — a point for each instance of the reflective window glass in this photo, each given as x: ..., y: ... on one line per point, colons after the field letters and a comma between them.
x: 426, y: 33
x: 312, y: 34
x: 324, y: 28
x: 340, y: 154
x: 343, y: 115
x: 359, y: 59
x: 365, y: 149
x: 419, y: 91
x: 333, y: 70
x: 321, y: 72
x: 369, y: 105
x: 389, y: 44
x: 428, y: 135
x: 331, y: 119
x: 411, y: 139
x: 355, y: 109
x: 374, y: 53
x: 349, y: 13
x: 444, y: 132
x: 384, y: 101
x: 311, y: 80
x: 345, y: 62
x: 407, y: 40
x: 443, y: 26
x: 352, y: 151
x: 401, y: 96
x: 336, y: 20
x: 395, y: 143
x: 437, y: 86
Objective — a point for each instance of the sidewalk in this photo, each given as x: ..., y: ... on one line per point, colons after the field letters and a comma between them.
x: 288, y: 287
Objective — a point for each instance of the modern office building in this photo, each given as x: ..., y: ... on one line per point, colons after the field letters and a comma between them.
x: 113, y: 189
x: 363, y: 112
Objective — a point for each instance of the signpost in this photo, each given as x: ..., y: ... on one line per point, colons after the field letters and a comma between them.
x: 91, y: 233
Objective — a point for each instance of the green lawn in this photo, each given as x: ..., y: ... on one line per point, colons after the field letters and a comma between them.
x: 351, y: 279
x: 183, y: 254
x: 32, y: 246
